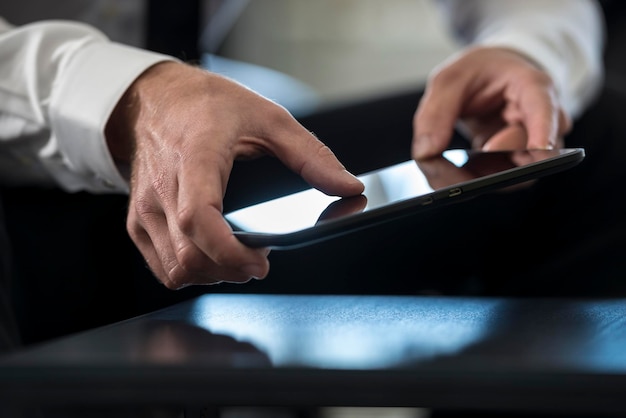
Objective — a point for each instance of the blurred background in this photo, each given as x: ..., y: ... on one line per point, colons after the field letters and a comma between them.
x: 327, y: 52
x: 306, y: 55
x: 303, y: 54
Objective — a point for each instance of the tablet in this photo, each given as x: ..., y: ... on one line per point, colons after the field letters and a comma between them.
x: 405, y: 189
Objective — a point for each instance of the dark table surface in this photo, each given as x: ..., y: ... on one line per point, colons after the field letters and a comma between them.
x: 565, y: 355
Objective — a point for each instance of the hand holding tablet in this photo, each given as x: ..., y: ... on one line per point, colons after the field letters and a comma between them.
x: 405, y: 189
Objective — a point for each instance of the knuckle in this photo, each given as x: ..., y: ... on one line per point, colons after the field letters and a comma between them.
x: 325, y: 152
x: 176, y: 280
x: 444, y: 77
x: 141, y: 214
x: 159, y: 184
x: 220, y: 258
x: 177, y: 277
x: 143, y: 206
x: 276, y: 117
x: 132, y: 225
x: 185, y: 219
x: 277, y: 113
x: 531, y: 75
x: 320, y: 153
x: 190, y: 259
x: 223, y: 258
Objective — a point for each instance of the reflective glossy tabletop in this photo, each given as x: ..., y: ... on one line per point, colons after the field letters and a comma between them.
x: 522, y: 354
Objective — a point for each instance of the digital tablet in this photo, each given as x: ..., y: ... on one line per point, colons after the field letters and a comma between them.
x: 404, y: 189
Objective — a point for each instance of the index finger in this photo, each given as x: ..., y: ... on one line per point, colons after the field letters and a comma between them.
x: 436, y: 116
x: 310, y: 158
x: 540, y: 116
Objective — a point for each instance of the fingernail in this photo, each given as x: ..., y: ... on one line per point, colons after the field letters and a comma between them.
x: 548, y: 147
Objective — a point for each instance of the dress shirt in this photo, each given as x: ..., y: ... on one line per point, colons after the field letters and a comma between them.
x: 564, y: 37
x: 60, y: 80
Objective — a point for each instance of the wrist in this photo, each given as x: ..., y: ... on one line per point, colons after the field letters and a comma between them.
x: 121, y: 128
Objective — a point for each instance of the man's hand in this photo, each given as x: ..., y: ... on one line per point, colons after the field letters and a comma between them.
x: 181, y: 128
x: 503, y: 100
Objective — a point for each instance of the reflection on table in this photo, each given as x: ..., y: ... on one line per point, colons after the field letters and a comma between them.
x: 536, y: 354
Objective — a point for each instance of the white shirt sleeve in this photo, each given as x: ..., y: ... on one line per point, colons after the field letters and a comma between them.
x: 59, y: 83
x: 565, y: 37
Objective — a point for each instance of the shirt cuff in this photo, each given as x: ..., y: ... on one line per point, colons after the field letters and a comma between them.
x: 81, y: 103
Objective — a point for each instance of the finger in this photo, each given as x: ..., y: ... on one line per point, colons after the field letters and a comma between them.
x: 479, y: 130
x: 192, y: 266
x: 512, y: 137
x: 436, y: 115
x: 310, y: 158
x: 199, y: 217
x: 522, y: 158
x: 174, y: 260
x: 172, y: 256
x: 136, y: 226
x: 565, y: 123
x: 540, y: 116
x: 144, y: 244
